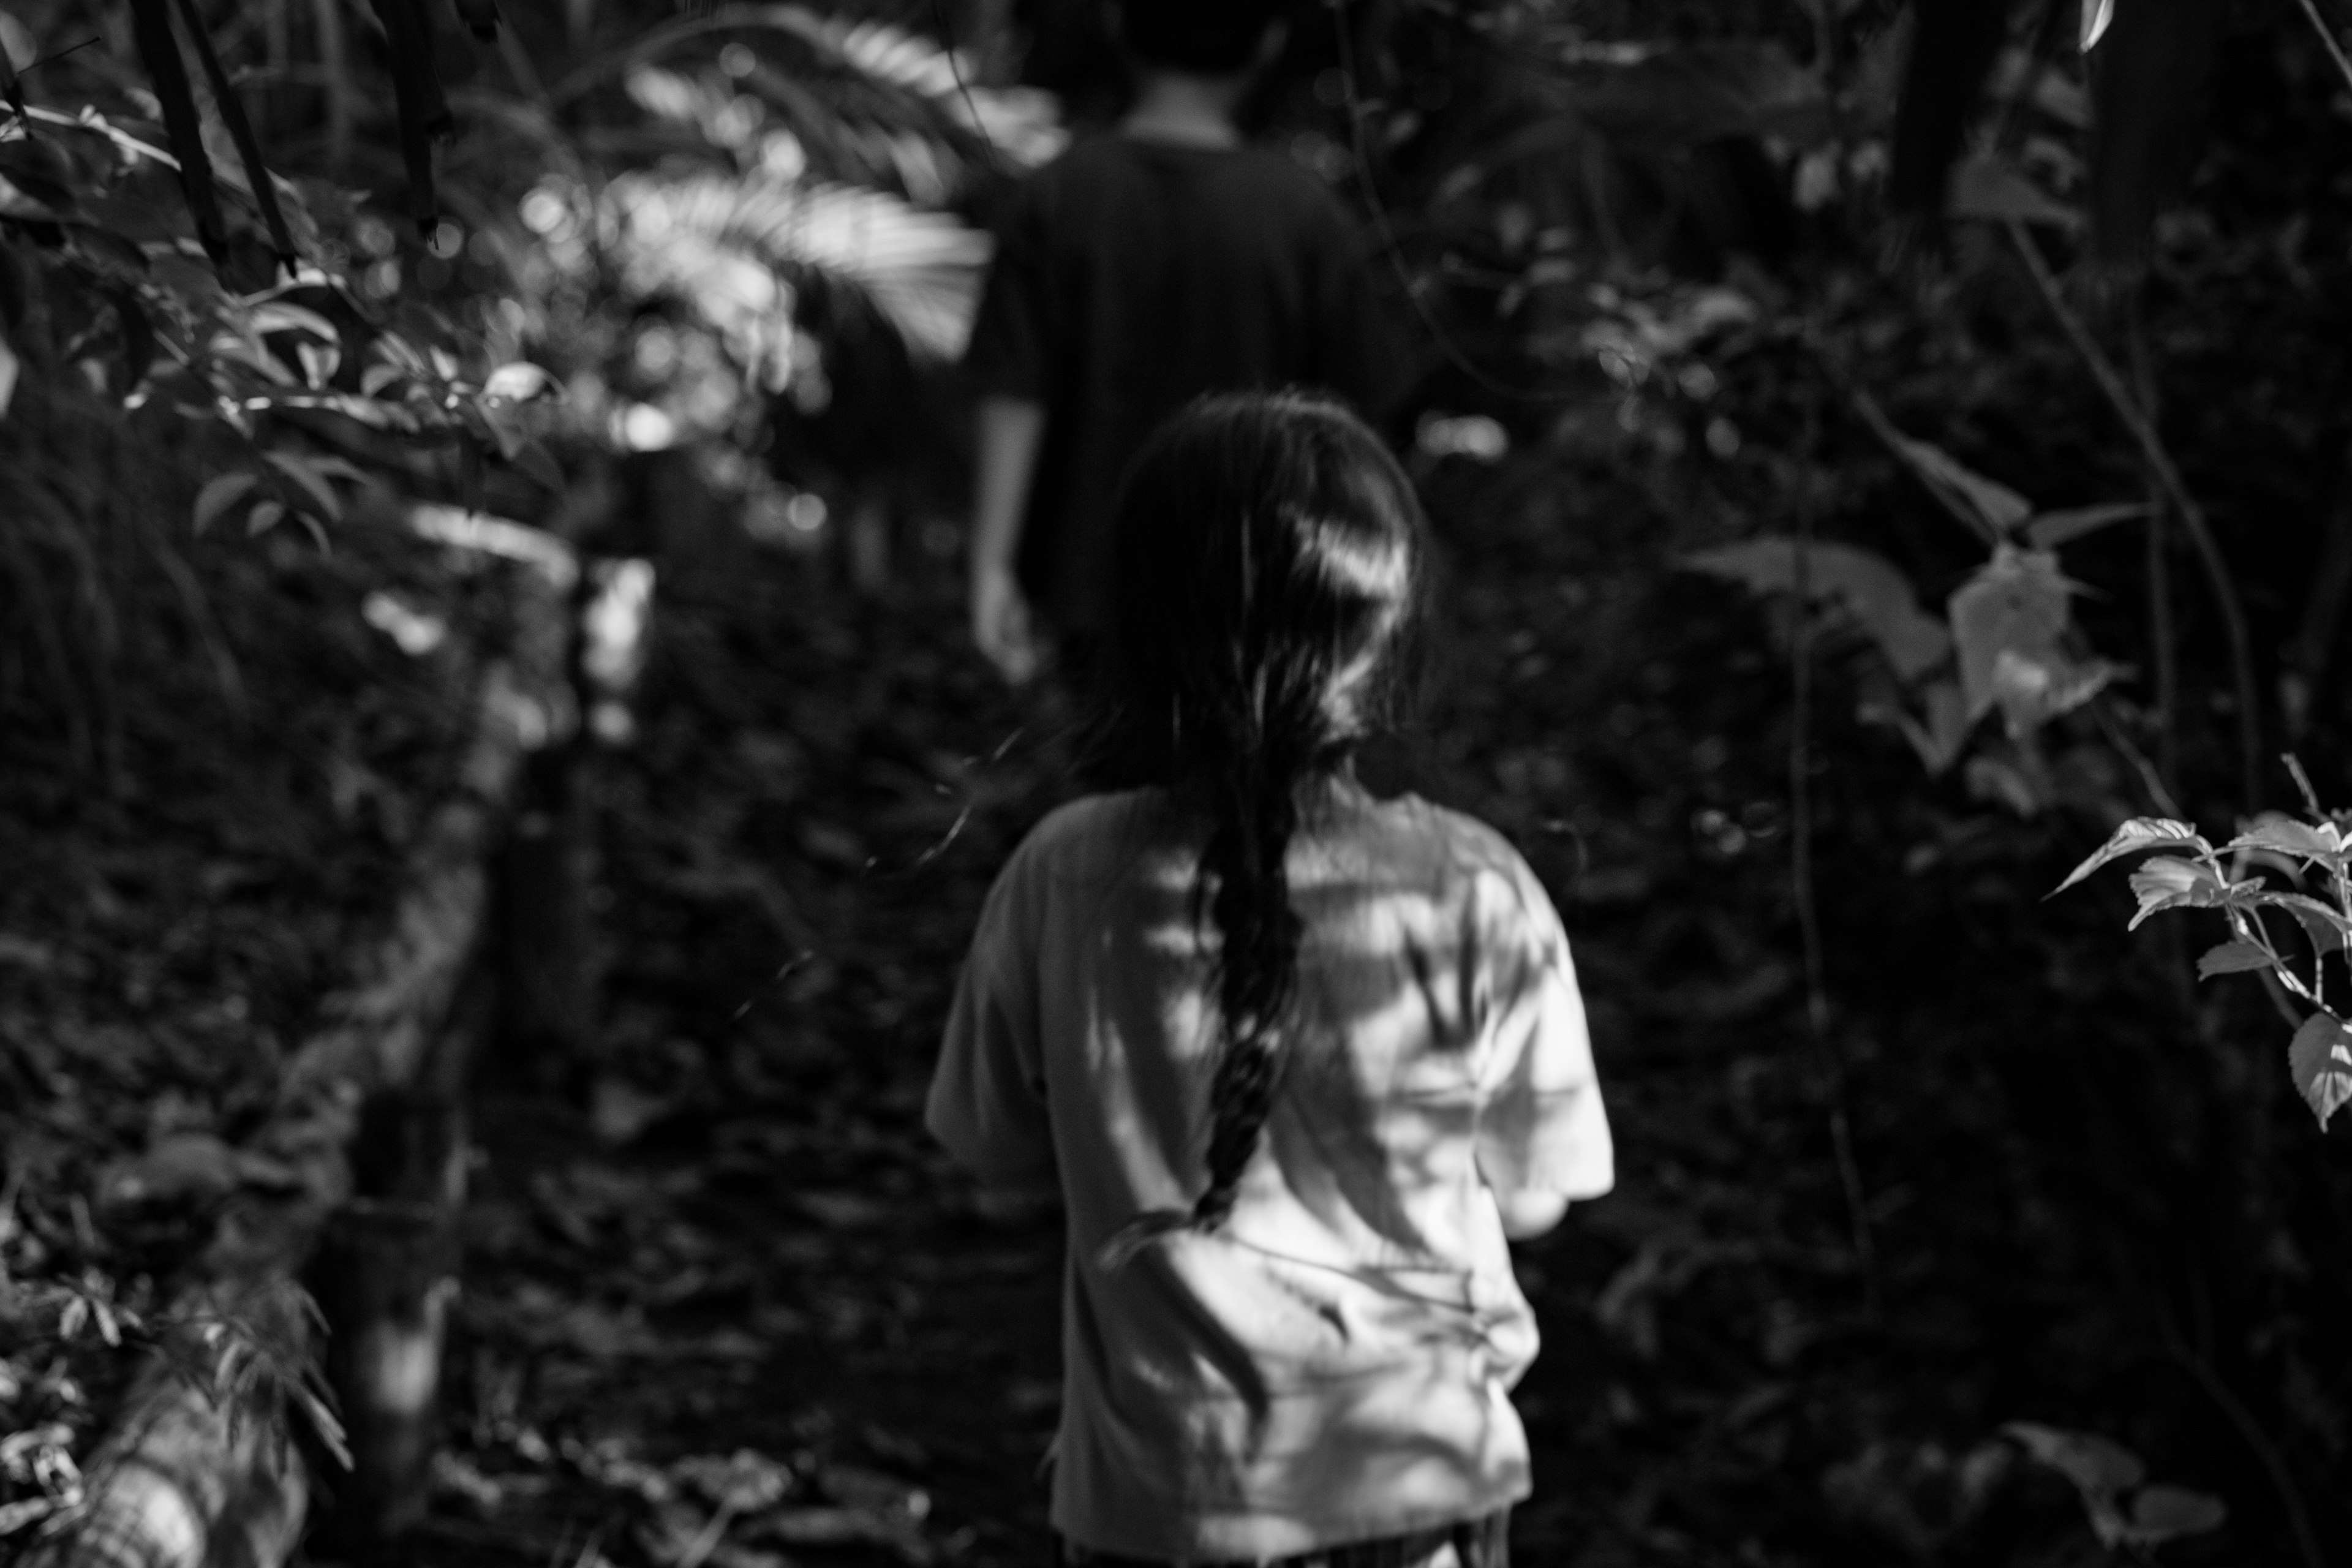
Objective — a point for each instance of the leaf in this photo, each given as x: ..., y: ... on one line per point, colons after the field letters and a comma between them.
x: 2320, y: 1061
x: 1868, y: 586
x: 2098, y: 1467
x: 1996, y: 191
x: 2159, y: 1514
x: 2096, y: 15
x: 2175, y: 882
x: 2001, y: 509
x: 240, y: 130
x: 2328, y: 928
x: 2016, y: 606
x: 168, y: 73
x: 312, y: 483
x: 319, y: 362
x: 264, y: 516
x: 2030, y: 690
x: 221, y: 492
x: 2282, y: 835
x: 2052, y: 529
x: 518, y: 382
x: 416, y: 92
x: 284, y: 316
x: 534, y: 460
x: 12, y: 94
x: 7, y: 375
x: 2231, y: 958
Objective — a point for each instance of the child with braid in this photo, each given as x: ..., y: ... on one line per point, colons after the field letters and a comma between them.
x: 1298, y: 1061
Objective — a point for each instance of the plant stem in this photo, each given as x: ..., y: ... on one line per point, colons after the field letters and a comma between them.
x: 1800, y: 871
x: 2327, y: 39
x: 2265, y: 1451
x: 2191, y: 515
x: 2163, y: 633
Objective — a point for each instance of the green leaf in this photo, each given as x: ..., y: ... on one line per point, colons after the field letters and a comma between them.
x: 2328, y: 929
x: 264, y: 516
x: 2176, y: 882
x: 2097, y: 1466
x: 1995, y: 190
x: 282, y: 316
x: 159, y: 50
x: 1866, y: 586
x: 2231, y: 958
x: 221, y: 492
x: 2008, y: 621
x: 2320, y: 1062
x: 231, y: 108
x: 2001, y: 509
x: 518, y: 382
x: 536, y: 462
x: 313, y: 485
x: 2140, y: 833
x: 2096, y: 15
x: 2159, y: 1514
x: 2052, y: 529
x: 2282, y: 835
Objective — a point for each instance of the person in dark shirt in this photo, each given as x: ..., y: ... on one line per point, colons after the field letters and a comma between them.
x: 1135, y: 273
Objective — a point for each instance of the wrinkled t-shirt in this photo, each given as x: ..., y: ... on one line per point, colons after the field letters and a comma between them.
x: 1131, y: 277
x: 1333, y: 1363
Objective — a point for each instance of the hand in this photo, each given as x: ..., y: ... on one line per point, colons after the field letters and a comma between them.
x: 1000, y: 624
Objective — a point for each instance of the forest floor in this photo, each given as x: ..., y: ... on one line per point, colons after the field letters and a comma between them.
x: 731, y: 1269
x: 725, y: 1304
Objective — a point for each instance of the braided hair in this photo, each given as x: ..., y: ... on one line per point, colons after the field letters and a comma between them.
x: 1267, y: 550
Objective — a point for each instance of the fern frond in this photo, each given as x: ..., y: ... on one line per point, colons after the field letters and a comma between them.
x: 722, y: 243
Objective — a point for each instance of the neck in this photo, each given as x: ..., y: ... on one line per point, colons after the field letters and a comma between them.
x: 1188, y: 110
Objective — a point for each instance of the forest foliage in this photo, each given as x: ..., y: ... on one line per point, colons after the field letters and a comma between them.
x: 1993, y: 349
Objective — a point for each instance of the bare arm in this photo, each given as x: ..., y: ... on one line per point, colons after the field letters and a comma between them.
x: 1011, y: 432
x: 1527, y: 1215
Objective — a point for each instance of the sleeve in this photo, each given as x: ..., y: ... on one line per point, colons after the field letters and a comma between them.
x: 987, y: 1102
x: 1541, y: 1126
x: 1006, y: 354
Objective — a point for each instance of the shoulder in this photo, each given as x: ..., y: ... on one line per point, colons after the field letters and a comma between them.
x: 1470, y: 856
x: 1084, y: 835
x: 1281, y: 180
x: 1085, y: 165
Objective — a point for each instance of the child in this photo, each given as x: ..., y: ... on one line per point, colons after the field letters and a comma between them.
x: 1296, y: 1060
x: 1133, y: 274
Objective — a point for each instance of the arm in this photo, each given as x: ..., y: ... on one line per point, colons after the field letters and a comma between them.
x: 1011, y: 431
x: 1527, y: 1215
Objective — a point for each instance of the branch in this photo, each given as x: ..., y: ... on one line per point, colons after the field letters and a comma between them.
x: 2192, y: 516
x: 2327, y: 39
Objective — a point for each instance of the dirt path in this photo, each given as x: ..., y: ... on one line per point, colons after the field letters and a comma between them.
x: 726, y: 1305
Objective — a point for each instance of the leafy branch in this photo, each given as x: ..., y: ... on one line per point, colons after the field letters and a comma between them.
x: 2187, y: 871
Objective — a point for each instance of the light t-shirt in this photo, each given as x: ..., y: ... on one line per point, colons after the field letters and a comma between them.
x: 1334, y: 1363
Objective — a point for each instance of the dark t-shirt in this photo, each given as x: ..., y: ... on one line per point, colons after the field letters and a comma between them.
x: 1131, y: 277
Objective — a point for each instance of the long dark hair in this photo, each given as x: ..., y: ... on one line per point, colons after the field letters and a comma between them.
x: 1267, y: 555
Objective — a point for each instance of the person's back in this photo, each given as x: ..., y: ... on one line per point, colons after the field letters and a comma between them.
x: 1302, y: 1336
x: 1140, y: 270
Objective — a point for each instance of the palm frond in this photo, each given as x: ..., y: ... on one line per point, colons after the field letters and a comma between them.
x: 725, y: 244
